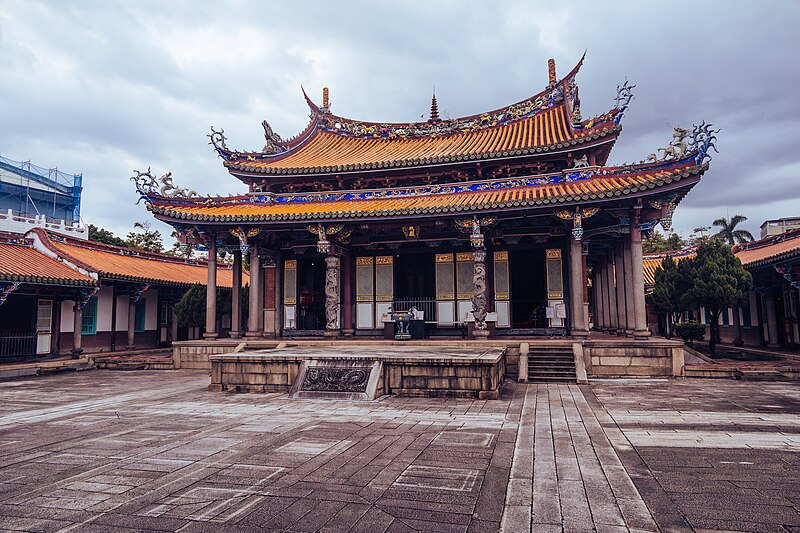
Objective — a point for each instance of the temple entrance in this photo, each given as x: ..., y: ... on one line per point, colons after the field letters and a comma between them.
x: 528, y: 289
x: 415, y: 283
x: 311, y: 294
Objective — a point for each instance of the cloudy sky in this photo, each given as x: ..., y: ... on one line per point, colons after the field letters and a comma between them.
x: 104, y: 87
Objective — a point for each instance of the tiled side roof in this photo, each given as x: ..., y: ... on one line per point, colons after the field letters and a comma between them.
x: 114, y: 262
x: 20, y: 262
x: 774, y: 248
x: 652, y: 262
x: 333, y: 152
x: 595, y: 184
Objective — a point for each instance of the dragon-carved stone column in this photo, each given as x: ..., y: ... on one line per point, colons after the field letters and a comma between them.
x: 332, y: 296
x: 479, y: 311
x: 577, y: 280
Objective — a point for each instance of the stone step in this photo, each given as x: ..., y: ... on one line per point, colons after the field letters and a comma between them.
x: 552, y: 379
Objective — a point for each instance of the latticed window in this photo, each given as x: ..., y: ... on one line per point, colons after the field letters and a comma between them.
x: 89, y: 323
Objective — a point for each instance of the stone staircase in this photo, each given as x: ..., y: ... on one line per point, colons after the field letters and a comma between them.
x: 551, y: 365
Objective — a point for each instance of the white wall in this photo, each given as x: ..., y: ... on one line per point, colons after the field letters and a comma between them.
x: 104, y: 303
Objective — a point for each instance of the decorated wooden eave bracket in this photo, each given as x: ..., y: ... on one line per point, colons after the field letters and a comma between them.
x: 148, y: 186
x: 667, y: 207
x: 6, y: 288
x: 473, y: 227
x: 245, y: 237
x: 322, y: 231
x: 790, y: 273
x: 84, y: 295
x: 577, y: 217
x: 136, y: 291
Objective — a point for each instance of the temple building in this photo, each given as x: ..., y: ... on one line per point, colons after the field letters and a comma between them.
x: 486, y: 225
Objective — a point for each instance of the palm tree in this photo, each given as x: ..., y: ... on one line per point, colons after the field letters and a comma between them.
x: 728, y: 231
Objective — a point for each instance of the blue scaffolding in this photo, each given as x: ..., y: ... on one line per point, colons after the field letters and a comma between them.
x: 30, y: 190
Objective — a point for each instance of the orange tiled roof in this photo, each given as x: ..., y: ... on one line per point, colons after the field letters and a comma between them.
x: 114, y: 262
x: 334, y: 152
x: 20, y: 262
x: 493, y: 194
x: 543, y: 122
x: 774, y: 248
x: 652, y: 262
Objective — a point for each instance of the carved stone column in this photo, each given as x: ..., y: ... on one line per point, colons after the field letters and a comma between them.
x: 211, y: 292
x: 236, y: 296
x: 254, y: 309
x: 639, y: 310
x: 619, y: 272
x: 577, y: 277
x: 332, y: 296
x: 479, y: 310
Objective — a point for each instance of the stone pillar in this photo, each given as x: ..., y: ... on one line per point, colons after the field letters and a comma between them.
x: 630, y: 324
x: 604, y: 292
x: 332, y: 296
x: 211, y: 292
x: 772, y: 321
x: 584, y: 253
x: 577, y: 280
x: 236, y: 296
x: 613, y: 320
x: 254, y: 303
x: 598, y: 297
x: 173, y: 325
x: 131, y: 341
x: 619, y: 274
x: 347, y: 286
x: 479, y: 310
x: 640, y: 331
x: 737, y: 326
x: 77, y: 325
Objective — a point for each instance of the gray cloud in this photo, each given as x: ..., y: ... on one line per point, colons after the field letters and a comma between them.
x: 102, y: 88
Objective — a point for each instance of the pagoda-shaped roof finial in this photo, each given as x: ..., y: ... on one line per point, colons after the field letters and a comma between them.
x: 434, y: 108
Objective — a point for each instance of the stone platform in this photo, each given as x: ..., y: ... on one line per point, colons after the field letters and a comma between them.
x: 404, y: 370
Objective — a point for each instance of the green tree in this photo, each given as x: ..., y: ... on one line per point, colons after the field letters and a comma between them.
x: 147, y: 240
x: 667, y: 297
x: 728, y: 232
x: 718, y: 281
x: 656, y: 242
x: 190, y: 310
x: 103, y: 235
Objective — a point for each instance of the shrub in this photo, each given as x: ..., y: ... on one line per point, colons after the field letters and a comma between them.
x: 690, y: 331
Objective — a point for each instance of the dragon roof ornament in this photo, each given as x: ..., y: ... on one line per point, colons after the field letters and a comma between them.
x: 623, y: 99
x: 148, y: 186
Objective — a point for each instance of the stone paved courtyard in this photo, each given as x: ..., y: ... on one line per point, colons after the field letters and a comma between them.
x: 154, y: 450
